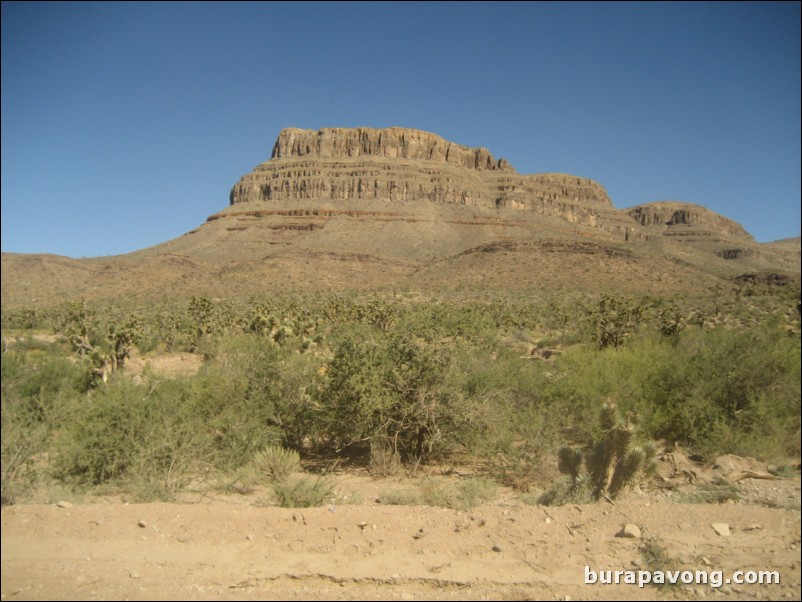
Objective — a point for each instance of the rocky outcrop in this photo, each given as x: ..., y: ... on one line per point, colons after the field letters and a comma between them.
x: 398, y: 143
x: 406, y: 165
x: 687, y: 221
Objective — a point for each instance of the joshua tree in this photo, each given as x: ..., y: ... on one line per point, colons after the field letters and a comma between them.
x: 613, y: 463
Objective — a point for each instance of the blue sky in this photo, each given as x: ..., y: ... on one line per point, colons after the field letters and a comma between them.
x: 126, y: 124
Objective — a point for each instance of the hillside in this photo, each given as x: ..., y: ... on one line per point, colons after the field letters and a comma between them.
x: 398, y: 209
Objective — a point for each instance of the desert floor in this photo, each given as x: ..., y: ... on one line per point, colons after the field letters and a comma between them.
x: 230, y: 547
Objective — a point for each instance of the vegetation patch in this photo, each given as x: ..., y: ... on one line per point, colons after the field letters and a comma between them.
x: 464, y: 494
x: 303, y: 492
x: 393, y: 384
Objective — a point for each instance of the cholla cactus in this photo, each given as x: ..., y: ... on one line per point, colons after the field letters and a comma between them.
x: 614, y: 465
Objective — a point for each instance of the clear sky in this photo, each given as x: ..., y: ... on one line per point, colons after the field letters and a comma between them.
x: 126, y: 124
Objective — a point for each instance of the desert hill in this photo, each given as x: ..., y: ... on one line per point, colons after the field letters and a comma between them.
x: 400, y: 209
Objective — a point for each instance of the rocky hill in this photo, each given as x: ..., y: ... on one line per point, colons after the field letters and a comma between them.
x: 398, y: 164
x: 400, y: 209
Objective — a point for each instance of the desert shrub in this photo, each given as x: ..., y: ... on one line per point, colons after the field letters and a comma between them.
x: 393, y: 389
x: 384, y: 458
x: 303, y: 492
x: 40, y: 391
x: 400, y: 497
x: 128, y: 431
x: 719, y: 491
x: 724, y: 391
x: 464, y: 494
x: 38, y: 384
x: 235, y: 419
x: 728, y: 392
x: 163, y: 431
x: 23, y: 446
x: 27, y: 318
x: 278, y: 385
x: 656, y: 558
x: 277, y: 462
x: 565, y: 490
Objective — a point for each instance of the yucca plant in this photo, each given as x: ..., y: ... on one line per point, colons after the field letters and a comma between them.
x: 277, y: 462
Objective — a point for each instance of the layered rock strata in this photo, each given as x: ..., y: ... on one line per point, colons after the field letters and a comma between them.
x: 405, y: 165
x: 686, y: 220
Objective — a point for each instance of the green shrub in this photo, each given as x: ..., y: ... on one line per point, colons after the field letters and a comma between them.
x: 400, y: 497
x: 718, y: 492
x: 276, y: 462
x: 278, y: 386
x: 394, y: 390
x: 126, y: 431
x: 566, y: 490
x: 725, y: 391
x: 40, y: 392
x: 303, y: 492
x: 465, y: 494
x: 407, y: 380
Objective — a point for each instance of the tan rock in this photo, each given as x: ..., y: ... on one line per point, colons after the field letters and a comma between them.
x: 403, y: 165
x: 630, y: 530
x: 722, y: 529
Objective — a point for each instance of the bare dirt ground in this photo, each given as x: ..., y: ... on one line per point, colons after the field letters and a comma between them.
x: 229, y: 547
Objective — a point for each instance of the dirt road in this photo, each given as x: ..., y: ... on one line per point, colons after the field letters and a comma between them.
x: 232, y: 549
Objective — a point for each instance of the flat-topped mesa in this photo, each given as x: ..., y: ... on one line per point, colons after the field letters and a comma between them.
x: 406, y: 165
x: 395, y: 142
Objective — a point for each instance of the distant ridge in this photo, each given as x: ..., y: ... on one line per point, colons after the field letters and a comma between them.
x: 363, y: 209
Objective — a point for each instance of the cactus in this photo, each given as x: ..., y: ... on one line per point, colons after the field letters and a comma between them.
x: 569, y: 461
x: 613, y: 463
x: 612, y: 320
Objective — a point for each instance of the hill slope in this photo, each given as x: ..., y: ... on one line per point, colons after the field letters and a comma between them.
x: 400, y: 209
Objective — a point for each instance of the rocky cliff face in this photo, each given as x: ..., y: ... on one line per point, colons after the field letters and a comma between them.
x: 400, y: 143
x: 398, y: 164
x: 686, y: 220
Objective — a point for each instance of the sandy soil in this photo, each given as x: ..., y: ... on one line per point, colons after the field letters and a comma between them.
x: 229, y: 547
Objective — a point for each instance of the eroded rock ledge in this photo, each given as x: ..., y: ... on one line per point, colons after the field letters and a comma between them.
x: 395, y: 142
x: 683, y: 220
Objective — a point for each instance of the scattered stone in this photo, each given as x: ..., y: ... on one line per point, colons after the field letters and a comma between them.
x: 722, y: 529
x: 630, y: 530
x: 421, y: 532
x: 63, y: 504
x: 753, y: 527
x: 142, y: 524
x: 496, y: 548
x: 362, y: 525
